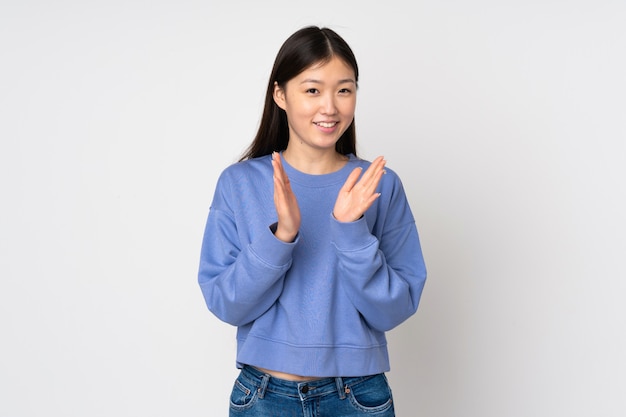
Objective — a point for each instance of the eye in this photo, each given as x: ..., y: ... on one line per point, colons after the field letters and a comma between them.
x: 345, y: 91
x: 312, y: 91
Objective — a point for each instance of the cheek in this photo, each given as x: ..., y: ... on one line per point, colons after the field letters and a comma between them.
x: 307, y: 107
x: 302, y: 111
x: 348, y: 107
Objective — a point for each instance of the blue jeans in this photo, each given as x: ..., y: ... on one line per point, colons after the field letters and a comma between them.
x: 256, y: 394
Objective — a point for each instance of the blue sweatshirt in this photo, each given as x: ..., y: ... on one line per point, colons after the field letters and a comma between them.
x: 319, y: 306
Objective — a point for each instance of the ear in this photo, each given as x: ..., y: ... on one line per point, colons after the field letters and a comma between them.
x: 279, y: 95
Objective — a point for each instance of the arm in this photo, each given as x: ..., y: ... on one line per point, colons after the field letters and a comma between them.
x: 383, y: 274
x: 242, y: 263
x: 240, y: 284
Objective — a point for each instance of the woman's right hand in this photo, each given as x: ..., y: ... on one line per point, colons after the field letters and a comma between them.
x: 286, y: 204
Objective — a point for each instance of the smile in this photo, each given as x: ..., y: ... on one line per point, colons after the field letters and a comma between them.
x: 326, y: 124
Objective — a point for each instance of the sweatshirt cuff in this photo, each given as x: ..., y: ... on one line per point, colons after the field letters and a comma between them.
x: 350, y: 235
x: 273, y: 251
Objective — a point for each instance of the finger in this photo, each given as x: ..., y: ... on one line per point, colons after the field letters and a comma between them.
x: 279, y: 178
x: 352, y: 179
x: 277, y: 165
x: 377, y: 165
x: 279, y: 191
x: 370, y: 201
x: 376, y: 181
x: 280, y: 175
x: 371, y: 178
x: 282, y: 187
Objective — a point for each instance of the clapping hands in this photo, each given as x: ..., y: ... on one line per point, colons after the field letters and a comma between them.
x: 354, y: 198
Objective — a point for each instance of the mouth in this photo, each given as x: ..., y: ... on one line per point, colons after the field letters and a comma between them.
x: 326, y: 125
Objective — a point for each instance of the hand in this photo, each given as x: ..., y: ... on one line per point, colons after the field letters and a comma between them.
x: 285, y: 202
x: 356, y: 197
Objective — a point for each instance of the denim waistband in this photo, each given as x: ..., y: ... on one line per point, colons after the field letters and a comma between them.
x: 303, y: 390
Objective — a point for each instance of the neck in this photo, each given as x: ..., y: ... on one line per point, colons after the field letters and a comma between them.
x: 315, y: 163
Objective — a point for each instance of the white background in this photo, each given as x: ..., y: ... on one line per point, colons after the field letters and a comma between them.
x: 505, y: 120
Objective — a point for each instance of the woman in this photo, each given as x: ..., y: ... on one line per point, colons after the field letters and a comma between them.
x: 310, y: 251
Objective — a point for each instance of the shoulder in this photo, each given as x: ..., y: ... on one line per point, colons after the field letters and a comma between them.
x: 245, y: 178
x: 246, y: 169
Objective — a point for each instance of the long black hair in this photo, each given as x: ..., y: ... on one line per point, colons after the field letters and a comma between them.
x: 306, y: 47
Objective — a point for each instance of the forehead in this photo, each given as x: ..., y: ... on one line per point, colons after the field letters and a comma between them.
x: 334, y: 70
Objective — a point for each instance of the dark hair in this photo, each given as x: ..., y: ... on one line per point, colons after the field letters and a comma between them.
x: 306, y: 47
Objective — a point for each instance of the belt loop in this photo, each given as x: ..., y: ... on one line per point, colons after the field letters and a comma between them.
x: 264, y: 381
x: 340, y: 388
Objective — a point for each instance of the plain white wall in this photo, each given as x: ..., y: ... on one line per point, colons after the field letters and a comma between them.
x: 505, y: 120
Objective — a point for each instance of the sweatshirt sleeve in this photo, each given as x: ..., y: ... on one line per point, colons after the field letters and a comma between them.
x: 239, y: 280
x: 383, y: 274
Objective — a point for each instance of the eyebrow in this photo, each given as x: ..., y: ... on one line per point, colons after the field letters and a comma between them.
x: 312, y: 80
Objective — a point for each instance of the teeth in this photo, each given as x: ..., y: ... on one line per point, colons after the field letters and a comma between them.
x: 323, y: 124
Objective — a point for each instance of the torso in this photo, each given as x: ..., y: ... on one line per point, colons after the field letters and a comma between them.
x: 286, y: 376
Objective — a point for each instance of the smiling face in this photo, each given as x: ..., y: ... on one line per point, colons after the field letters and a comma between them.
x: 319, y: 103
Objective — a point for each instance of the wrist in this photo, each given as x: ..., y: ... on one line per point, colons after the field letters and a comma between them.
x: 345, y: 220
x: 282, y: 235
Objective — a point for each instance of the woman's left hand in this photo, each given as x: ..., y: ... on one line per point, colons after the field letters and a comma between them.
x: 356, y: 196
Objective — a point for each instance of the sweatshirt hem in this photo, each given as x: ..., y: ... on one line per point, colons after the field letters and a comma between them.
x: 313, y: 360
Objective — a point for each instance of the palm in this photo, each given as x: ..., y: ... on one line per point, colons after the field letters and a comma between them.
x: 357, y: 195
x: 286, y: 203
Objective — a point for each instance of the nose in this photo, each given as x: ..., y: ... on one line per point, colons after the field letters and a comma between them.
x: 328, y: 105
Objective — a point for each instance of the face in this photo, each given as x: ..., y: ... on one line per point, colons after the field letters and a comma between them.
x: 320, y: 104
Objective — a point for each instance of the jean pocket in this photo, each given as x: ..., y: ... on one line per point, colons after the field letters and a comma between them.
x: 372, y: 395
x: 243, y: 395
